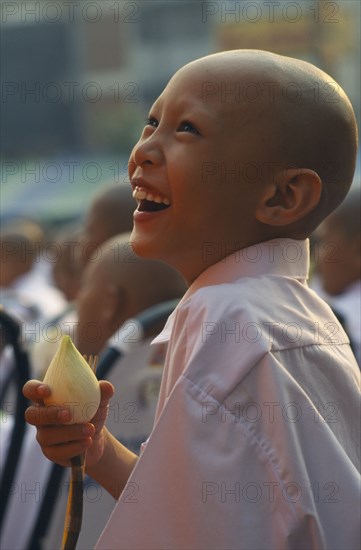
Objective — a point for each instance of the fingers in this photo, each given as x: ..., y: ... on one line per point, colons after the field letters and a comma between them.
x: 42, y: 416
x: 62, y: 453
x: 106, y: 389
x: 49, y: 436
x: 38, y: 415
x: 59, y: 439
x: 107, y: 392
x: 60, y: 443
x: 35, y: 391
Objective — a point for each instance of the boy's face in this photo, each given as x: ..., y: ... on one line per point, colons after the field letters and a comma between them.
x: 193, y: 157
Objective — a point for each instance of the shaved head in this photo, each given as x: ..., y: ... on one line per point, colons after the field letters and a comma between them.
x: 147, y: 282
x: 110, y: 214
x: 241, y: 147
x: 117, y: 286
x: 295, y: 114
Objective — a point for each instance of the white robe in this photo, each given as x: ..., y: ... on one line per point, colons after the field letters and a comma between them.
x: 256, y: 443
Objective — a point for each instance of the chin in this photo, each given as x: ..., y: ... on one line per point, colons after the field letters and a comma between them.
x: 144, y: 247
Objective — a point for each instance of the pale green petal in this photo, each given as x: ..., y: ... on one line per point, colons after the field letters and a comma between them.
x: 72, y: 383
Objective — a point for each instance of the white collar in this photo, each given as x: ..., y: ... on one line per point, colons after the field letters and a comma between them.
x: 280, y: 257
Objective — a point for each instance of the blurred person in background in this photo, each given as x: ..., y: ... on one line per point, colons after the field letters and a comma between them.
x: 26, y: 266
x: 110, y: 213
x: 66, y: 268
x: 28, y: 296
x: 66, y: 273
x: 17, y: 259
x: 338, y: 266
x: 25, y: 292
x: 116, y: 287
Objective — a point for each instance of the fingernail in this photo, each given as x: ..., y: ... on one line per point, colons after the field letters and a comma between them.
x: 42, y: 389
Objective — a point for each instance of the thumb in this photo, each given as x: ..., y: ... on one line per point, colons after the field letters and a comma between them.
x: 107, y: 391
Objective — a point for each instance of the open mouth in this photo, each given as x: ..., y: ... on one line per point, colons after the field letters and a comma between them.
x: 148, y: 202
x: 151, y: 206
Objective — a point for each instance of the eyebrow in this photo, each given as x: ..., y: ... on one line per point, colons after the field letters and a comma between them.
x: 189, y: 108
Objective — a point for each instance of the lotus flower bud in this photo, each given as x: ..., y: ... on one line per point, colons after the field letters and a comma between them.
x: 72, y: 383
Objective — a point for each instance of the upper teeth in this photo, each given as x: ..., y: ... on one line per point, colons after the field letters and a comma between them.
x: 141, y: 194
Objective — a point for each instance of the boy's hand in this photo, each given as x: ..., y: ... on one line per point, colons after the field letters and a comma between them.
x: 59, y: 440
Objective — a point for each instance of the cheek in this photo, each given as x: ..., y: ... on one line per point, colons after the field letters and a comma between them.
x: 192, y: 168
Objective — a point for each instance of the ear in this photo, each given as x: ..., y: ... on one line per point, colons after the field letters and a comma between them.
x: 293, y: 194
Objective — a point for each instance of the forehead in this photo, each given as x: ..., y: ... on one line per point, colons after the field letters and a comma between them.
x: 192, y: 88
x: 212, y: 91
x: 184, y: 94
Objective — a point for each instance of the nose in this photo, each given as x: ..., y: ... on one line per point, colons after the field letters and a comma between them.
x: 148, y: 150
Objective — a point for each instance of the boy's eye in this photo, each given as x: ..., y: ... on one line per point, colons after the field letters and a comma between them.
x: 151, y: 121
x: 186, y: 126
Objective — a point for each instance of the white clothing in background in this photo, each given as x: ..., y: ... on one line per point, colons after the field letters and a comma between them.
x: 30, y: 483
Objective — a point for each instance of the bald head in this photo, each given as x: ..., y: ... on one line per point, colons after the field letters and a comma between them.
x: 116, y: 286
x: 291, y: 113
x: 110, y: 214
x: 241, y: 147
x: 147, y: 282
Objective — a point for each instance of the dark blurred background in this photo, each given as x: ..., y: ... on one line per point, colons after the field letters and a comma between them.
x: 78, y: 78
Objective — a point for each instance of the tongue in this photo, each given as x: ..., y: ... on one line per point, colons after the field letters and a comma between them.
x: 151, y: 206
